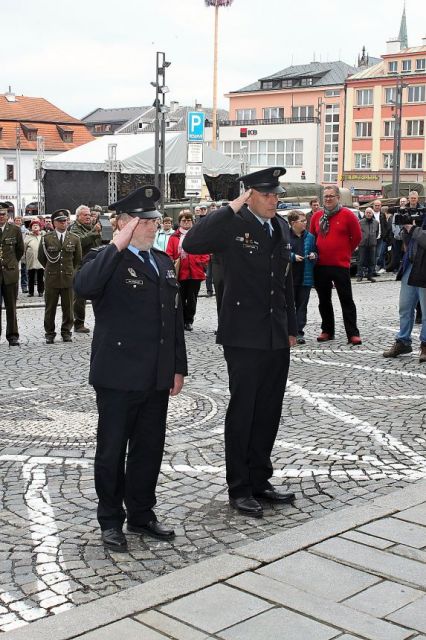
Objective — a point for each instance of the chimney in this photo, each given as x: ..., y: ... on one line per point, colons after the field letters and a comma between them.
x: 393, y: 45
x: 173, y: 105
x: 198, y: 106
x: 10, y: 97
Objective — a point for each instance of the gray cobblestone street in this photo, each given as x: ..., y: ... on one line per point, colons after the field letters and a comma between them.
x: 352, y: 428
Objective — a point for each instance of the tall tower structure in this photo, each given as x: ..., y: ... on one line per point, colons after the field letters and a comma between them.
x: 402, y: 36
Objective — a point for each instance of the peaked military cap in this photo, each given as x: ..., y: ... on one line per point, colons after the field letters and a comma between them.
x: 139, y: 203
x: 265, y: 181
x: 60, y: 215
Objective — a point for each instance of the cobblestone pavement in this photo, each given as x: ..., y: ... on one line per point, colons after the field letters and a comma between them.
x: 352, y: 428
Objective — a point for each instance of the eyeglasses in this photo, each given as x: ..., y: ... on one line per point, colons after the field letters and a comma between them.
x: 329, y: 197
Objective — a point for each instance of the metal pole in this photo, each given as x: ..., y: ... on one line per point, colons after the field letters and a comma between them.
x: 18, y: 171
x: 157, y: 124
x: 163, y: 154
x: 399, y: 116
x: 214, y: 123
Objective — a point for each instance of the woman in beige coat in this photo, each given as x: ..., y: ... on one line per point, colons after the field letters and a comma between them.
x: 34, y: 267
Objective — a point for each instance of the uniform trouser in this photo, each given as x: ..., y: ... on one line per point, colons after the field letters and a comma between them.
x: 257, y: 380
x: 135, y: 420
x: 8, y: 293
x: 189, y: 290
x: 79, y: 311
x: 209, y: 277
x: 33, y: 275
x: 51, y: 297
x: 325, y: 276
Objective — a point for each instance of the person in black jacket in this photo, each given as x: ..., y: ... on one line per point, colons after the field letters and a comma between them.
x: 412, y: 274
x: 257, y: 326
x: 138, y: 359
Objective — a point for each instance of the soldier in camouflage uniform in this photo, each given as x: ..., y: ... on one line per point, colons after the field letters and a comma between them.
x: 90, y: 237
x: 60, y: 255
x: 11, y: 251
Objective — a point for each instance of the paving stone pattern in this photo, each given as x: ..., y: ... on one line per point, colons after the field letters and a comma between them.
x: 352, y: 429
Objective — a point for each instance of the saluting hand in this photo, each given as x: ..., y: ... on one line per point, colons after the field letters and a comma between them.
x: 238, y: 202
x: 124, y: 236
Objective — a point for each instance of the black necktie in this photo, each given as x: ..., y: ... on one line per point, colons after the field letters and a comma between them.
x: 267, y: 229
x: 147, y: 262
x: 60, y: 239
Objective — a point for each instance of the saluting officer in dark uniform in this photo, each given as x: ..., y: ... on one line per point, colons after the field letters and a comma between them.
x: 11, y: 251
x: 257, y: 325
x: 60, y: 254
x: 138, y: 360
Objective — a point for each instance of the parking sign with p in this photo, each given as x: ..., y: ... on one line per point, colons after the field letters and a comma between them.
x: 196, y: 126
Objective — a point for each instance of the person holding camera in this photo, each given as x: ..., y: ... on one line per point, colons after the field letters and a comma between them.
x: 412, y: 275
x: 367, y: 246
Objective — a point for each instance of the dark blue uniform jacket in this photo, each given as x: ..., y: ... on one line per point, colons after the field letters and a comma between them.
x: 257, y: 309
x: 138, y: 340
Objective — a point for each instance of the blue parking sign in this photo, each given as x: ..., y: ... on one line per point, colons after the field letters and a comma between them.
x: 195, y: 126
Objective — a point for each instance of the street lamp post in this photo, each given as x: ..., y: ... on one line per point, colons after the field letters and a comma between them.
x: 396, y: 164
x: 160, y: 123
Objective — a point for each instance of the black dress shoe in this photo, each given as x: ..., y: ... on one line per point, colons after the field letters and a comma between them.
x: 188, y: 326
x: 247, y: 505
x: 114, y: 539
x: 153, y: 529
x: 272, y: 495
x: 14, y: 342
x: 67, y: 338
x: 50, y: 340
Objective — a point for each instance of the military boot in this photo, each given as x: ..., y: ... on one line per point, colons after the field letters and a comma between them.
x: 422, y: 357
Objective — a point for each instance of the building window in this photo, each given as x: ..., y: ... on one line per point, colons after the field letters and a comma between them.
x: 271, y: 113
x: 364, y: 97
x: 389, y: 128
x: 306, y: 82
x: 301, y: 113
x: 102, y: 128
x: 10, y: 172
x: 263, y: 153
x: 393, y: 67
x: 421, y: 64
x: 390, y: 95
x: 266, y: 84
x: 29, y: 132
x: 1, y: 133
x: 388, y: 161
x: 413, y: 160
x: 363, y: 129
x: 246, y: 114
x: 331, y: 137
x: 330, y: 93
x: 362, y: 160
x: 286, y: 83
x: 406, y: 66
x: 415, y: 127
x: 417, y: 93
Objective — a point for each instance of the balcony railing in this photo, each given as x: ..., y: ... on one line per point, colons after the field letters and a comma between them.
x: 259, y: 121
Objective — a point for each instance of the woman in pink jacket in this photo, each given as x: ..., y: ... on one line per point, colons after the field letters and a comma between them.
x: 191, y: 269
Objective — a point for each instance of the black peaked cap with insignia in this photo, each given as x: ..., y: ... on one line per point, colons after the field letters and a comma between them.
x: 139, y: 203
x: 265, y: 180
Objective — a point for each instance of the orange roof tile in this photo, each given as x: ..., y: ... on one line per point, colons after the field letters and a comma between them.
x: 32, y: 110
x: 50, y: 133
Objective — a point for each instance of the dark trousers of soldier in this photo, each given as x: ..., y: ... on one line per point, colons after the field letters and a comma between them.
x: 135, y: 420
x: 324, y: 278
x: 8, y: 293
x: 51, y: 298
x: 79, y: 312
x: 257, y: 380
x: 189, y: 290
x: 33, y: 275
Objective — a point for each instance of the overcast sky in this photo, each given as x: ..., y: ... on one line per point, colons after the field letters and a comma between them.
x: 81, y: 55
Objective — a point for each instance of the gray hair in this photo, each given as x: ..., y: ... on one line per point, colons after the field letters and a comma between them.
x: 80, y: 209
x: 413, y: 193
x: 334, y: 187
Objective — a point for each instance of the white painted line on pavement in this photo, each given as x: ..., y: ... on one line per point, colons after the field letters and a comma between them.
x: 357, y: 396
x: 347, y: 365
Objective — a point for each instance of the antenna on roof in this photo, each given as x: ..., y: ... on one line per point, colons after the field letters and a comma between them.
x: 313, y: 60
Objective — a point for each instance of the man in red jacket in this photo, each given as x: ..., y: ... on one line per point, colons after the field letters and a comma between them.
x: 338, y: 233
